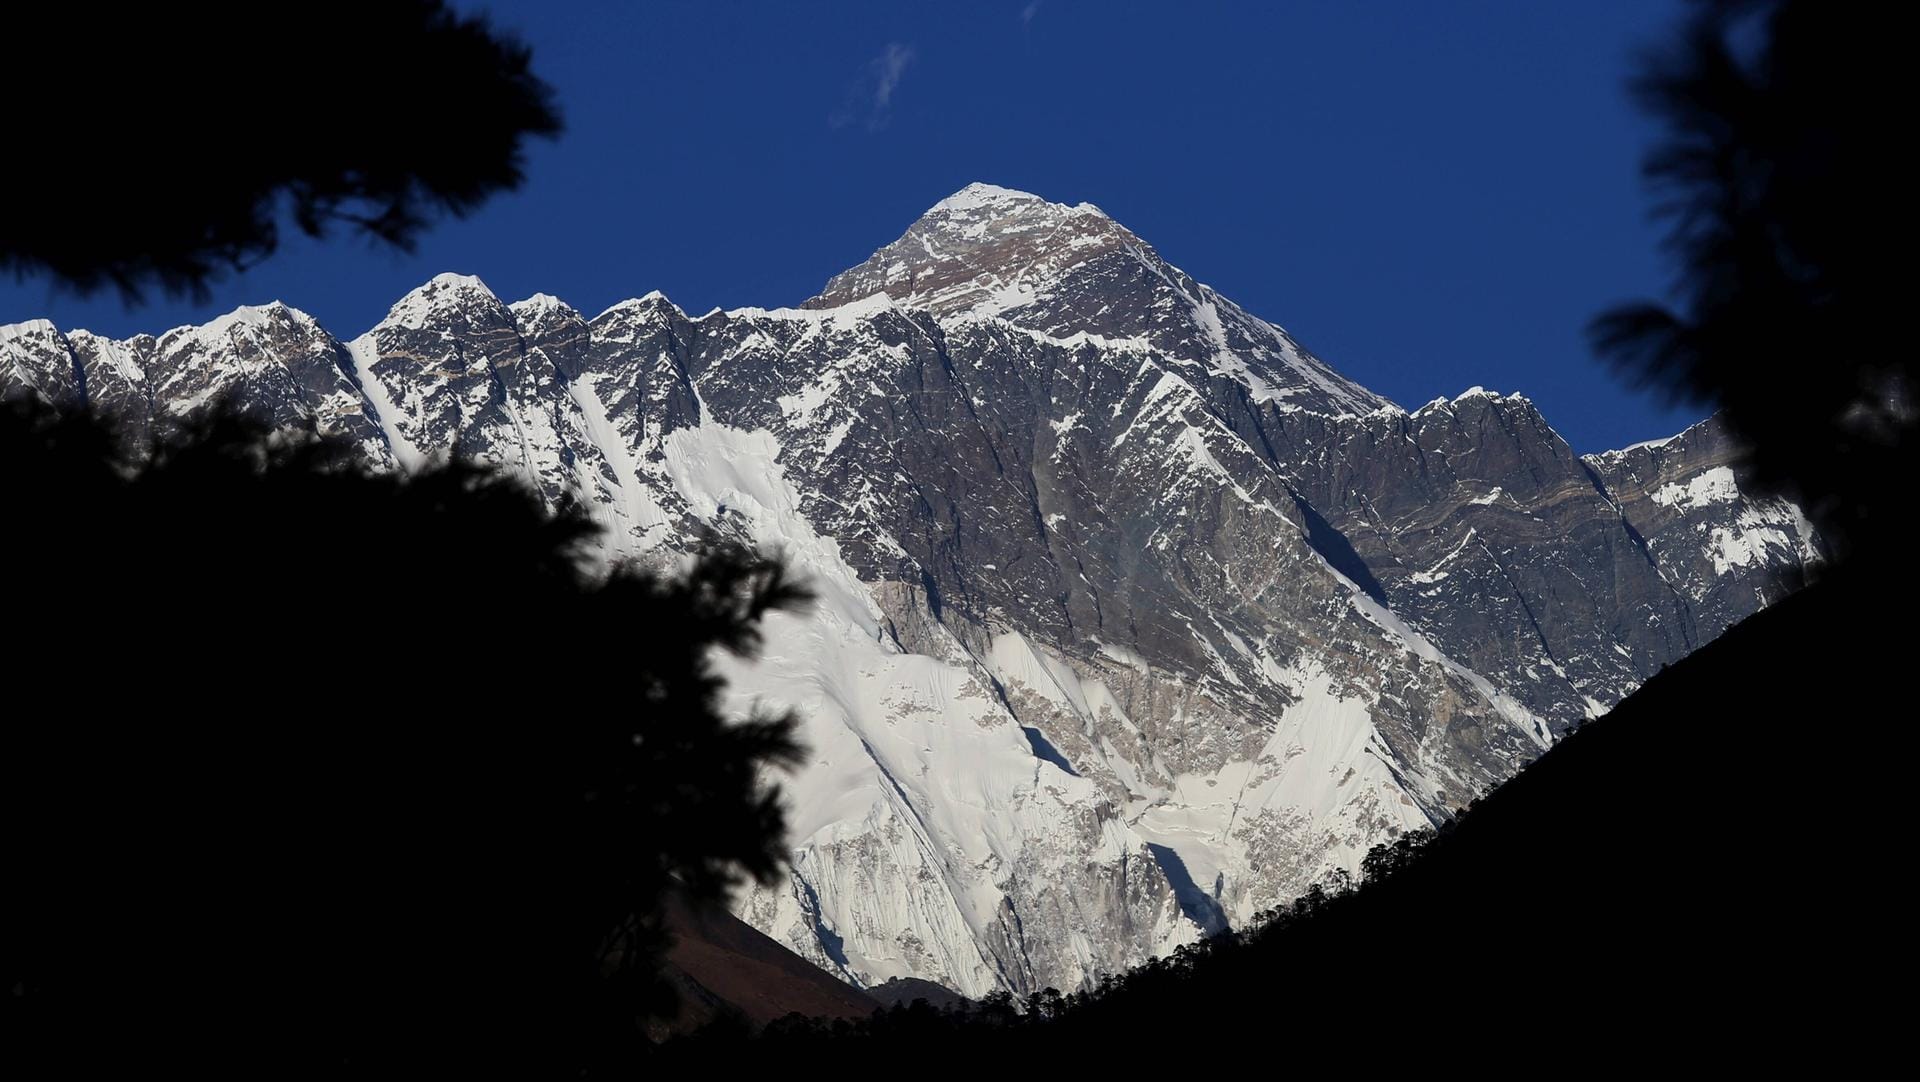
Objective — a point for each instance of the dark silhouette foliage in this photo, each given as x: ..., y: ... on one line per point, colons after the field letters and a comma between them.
x: 1779, y: 178
x: 306, y: 769
x: 164, y: 144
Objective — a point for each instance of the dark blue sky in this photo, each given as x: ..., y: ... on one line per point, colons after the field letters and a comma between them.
x: 1429, y: 195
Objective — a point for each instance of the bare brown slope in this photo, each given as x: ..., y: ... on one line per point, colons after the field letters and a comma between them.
x: 720, y: 965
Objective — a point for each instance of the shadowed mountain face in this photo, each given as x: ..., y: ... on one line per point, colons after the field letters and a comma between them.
x: 1114, y: 576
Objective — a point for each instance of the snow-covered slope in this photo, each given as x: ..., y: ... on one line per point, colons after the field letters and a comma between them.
x: 1136, y: 618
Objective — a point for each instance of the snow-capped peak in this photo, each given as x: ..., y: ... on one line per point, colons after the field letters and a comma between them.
x: 540, y: 312
x: 29, y: 327
x: 438, y: 293
x: 451, y: 280
x: 539, y: 302
x: 998, y: 254
x: 978, y: 194
x: 982, y: 250
x: 1471, y: 394
x: 982, y: 196
x: 653, y: 305
x: 247, y: 317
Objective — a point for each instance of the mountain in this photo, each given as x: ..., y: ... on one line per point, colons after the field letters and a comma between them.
x: 1135, y: 618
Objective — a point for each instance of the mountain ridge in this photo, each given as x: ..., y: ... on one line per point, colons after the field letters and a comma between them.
x: 1131, y: 610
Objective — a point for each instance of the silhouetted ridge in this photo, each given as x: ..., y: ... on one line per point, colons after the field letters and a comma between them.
x: 373, y: 115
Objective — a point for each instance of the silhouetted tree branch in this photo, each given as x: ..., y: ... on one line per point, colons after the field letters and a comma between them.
x: 1777, y: 180
x: 161, y: 144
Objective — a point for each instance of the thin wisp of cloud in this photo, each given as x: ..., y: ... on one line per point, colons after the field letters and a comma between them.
x: 871, y: 95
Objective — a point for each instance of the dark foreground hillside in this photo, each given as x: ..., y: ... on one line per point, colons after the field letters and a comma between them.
x: 1709, y: 872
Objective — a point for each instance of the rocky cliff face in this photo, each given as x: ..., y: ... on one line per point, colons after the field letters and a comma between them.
x: 1136, y: 617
